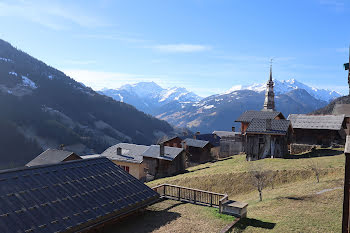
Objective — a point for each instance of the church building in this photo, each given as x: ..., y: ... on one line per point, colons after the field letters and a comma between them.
x: 266, y: 133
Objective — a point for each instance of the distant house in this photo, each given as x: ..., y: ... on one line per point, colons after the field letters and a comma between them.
x: 267, y: 138
x: 163, y: 160
x: 230, y: 143
x: 318, y: 129
x: 173, y: 142
x: 199, y: 150
x: 129, y: 157
x: 147, y: 162
x: 340, y: 109
x: 53, y: 156
x: 74, y: 196
x: 248, y: 116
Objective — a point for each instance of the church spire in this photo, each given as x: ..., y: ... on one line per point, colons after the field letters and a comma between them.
x: 269, y: 103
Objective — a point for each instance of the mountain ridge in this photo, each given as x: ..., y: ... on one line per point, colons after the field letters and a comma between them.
x: 43, y: 108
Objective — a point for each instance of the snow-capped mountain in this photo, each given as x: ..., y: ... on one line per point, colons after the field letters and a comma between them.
x: 285, y: 86
x: 149, y: 96
x: 183, y: 108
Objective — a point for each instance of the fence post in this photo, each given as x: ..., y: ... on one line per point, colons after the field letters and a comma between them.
x: 164, y: 190
x: 179, y: 193
x: 211, y: 199
x: 194, y: 196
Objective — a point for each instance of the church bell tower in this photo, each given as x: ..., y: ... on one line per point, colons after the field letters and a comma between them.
x: 269, y: 103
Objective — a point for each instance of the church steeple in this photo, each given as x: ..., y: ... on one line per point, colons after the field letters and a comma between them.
x: 269, y: 104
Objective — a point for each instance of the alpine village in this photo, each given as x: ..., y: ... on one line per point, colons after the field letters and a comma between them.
x: 129, y: 155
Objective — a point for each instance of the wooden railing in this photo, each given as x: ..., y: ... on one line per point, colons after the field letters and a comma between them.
x: 195, y: 196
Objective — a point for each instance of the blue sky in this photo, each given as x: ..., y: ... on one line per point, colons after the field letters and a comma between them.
x: 205, y: 46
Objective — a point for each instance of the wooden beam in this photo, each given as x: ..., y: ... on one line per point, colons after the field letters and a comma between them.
x: 345, y: 222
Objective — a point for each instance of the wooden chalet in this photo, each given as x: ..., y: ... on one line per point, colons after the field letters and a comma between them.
x: 75, y: 196
x: 267, y: 138
x: 53, y: 156
x: 340, y: 109
x: 129, y: 157
x: 199, y: 151
x: 147, y: 162
x: 318, y: 129
x: 230, y: 143
x: 164, y: 161
x: 248, y: 116
x: 173, y: 142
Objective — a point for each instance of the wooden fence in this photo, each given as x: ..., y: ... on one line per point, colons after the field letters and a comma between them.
x: 194, y: 196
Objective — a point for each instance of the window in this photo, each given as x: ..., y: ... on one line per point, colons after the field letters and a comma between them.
x: 126, y: 168
x: 261, y: 139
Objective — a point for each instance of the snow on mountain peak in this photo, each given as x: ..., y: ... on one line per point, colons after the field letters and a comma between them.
x: 284, y: 86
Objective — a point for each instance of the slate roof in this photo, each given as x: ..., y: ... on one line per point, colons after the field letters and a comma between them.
x: 248, y: 116
x: 222, y: 134
x: 131, y: 153
x: 211, y: 138
x: 195, y: 142
x: 260, y: 126
x: 340, y: 109
x: 69, y: 196
x: 169, y: 139
x: 330, y: 122
x: 170, y: 153
x: 50, y: 156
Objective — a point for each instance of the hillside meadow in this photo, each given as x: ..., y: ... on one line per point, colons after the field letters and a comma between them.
x: 292, y: 202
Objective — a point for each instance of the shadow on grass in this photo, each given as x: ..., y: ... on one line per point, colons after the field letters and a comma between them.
x: 246, y: 222
x: 202, y: 168
x: 316, y: 153
x: 145, y: 221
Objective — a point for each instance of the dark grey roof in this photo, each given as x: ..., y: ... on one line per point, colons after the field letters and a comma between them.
x: 195, y: 142
x: 261, y: 126
x: 226, y: 133
x: 130, y: 152
x: 248, y: 116
x: 170, y: 153
x: 211, y: 138
x: 331, y: 122
x: 50, y: 156
x: 169, y: 139
x: 340, y: 109
x: 68, y: 196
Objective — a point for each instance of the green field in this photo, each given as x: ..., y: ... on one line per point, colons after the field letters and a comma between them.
x: 296, y: 203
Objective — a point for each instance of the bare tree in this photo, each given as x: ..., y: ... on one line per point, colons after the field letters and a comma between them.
x: 259, y: 179
x: 313, y: 165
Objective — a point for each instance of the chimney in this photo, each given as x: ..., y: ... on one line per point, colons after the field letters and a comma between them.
x: 268, y: 124
x: 161, y: 149
x: 196, y: 134
x: 119, y: 151
x: 233, y: 129
x: 184, y: 146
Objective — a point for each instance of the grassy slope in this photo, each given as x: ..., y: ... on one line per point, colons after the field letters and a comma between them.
x: 292, y: 206
x: 173, y: 216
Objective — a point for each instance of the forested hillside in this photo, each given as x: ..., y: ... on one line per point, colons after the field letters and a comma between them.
x: 41, y: 107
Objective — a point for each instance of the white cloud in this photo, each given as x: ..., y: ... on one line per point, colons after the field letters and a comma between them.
x: 181, y: 48
x: 50, y: 14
